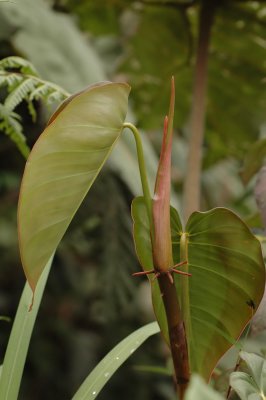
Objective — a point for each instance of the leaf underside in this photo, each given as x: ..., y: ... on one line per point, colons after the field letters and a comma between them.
x: 62, y: 166
x: 227, y: 282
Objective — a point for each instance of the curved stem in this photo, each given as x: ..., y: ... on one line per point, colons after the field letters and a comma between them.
x: 142, y: 169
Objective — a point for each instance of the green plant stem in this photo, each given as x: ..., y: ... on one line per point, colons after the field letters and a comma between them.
x: 142, y: 169
x: 184, y: 283
x: 177, y: 335
x: 192, y: 188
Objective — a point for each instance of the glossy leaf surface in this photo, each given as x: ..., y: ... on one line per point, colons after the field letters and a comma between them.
x: 227, y: 282
x: 63, y: 165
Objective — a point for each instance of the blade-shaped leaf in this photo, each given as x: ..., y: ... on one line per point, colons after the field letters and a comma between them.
x: 62, y: 166
x: 227, y: 282
x: 101, y: 374
x: 19, y: 340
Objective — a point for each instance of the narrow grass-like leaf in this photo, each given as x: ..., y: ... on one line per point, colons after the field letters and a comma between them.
x: 62, y: 166
x: 14, y: 361
x: 101, y: 374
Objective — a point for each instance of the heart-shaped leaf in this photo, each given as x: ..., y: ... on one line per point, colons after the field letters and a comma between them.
x: 227, y: 282
x: 62, y: 166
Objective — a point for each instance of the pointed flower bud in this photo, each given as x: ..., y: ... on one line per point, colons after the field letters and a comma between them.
x: 162, y: 243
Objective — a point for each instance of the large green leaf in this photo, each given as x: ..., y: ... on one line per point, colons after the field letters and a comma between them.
x: 227, y: 282
x: 62, y: 166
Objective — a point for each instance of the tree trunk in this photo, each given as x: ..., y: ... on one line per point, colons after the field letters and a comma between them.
x: 192, y: 187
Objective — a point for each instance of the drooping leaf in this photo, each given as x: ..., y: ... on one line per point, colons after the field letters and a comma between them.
x: 62, y: 166
x: 226, y: 286
x: 250, y: 385
x: 101, y: 374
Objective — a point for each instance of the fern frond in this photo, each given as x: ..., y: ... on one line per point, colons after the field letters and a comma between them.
x: 10, y: 79
x: 49, y: 92
x: 20, y: 93
x: 23, y: 84
x: 55, y: 97
x: 45, y: 89
x: 11, y: 126
x: 18, y: 63
x: 32, y: 111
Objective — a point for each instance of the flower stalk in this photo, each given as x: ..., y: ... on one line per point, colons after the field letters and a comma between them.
x: 158, y: 211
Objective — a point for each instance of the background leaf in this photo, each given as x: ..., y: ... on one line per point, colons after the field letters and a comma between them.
x: 254, y: 160
x: 260, y: 193
x: 198, y: 390
x: 250, y: 385
x: 62, y: 166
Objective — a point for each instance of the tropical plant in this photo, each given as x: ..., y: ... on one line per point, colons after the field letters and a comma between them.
x: 203, y: 306
x: 212, y: 245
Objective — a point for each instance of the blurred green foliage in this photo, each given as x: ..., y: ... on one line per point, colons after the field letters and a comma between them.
x: 91, y: 301
x: 158, y: 41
